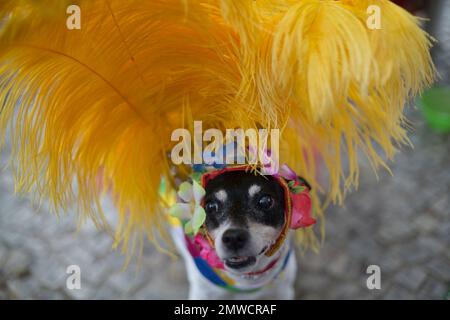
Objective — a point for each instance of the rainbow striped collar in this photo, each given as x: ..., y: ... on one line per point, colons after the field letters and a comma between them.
x: 218, y: 276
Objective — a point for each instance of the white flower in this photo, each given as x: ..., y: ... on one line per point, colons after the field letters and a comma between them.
x: 190, y: 209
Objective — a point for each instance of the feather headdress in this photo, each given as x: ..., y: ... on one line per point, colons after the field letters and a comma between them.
x: 103, y: 100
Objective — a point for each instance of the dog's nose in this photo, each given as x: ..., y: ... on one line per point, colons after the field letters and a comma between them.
x: 235, y: 239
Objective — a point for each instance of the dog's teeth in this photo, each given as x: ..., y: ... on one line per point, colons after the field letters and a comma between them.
x: 237, y: 259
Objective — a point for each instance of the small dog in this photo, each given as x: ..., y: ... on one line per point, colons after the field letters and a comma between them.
x: 245, y: 214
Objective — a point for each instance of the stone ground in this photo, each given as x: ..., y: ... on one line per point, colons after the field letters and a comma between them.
x: 400, y: 223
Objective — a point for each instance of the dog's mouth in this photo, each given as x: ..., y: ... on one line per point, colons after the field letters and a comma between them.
x: 240, y: 262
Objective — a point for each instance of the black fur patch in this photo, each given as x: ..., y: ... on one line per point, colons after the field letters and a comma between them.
x: 239, y: 207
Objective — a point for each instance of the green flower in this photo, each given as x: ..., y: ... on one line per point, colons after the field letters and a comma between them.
x: 190, y: 210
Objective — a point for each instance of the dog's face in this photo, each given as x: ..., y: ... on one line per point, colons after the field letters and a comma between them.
x: 244, y: 216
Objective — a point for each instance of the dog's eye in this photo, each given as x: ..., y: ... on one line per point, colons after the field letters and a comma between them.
x: 265, y: 202
x: 212, y: 207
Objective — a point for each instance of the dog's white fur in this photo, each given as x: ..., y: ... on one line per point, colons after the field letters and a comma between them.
x: 275, y: 285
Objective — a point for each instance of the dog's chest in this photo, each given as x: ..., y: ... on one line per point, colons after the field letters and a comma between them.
x: 281, y: 286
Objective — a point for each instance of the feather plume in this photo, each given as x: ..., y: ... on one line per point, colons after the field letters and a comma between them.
x: 105, y: 99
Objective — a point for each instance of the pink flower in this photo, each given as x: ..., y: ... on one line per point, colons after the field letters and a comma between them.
x: 301, y: 210
x: 207, y: 252
x: 287, y: 173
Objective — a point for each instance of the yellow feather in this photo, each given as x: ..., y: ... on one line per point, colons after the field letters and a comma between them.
x: 103, y: 100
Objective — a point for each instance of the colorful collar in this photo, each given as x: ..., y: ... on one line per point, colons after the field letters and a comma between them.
x: 219, y: 278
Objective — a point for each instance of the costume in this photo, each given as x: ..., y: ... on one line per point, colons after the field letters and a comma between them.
x: 104, y: 100
x: 197, y: 247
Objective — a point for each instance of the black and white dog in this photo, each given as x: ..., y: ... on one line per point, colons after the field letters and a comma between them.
x: 245, y: 220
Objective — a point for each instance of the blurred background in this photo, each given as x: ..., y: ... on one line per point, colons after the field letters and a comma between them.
x: 400, y: 223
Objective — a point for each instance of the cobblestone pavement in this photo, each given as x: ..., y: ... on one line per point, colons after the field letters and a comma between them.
x: 401, y: 223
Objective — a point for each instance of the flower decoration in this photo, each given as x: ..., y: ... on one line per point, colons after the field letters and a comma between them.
x: 207, y: 252
x: 301, y: 210
x: 287, y: 173
x: 190, y: 210
x: 291, y: 177
x: 301, y: 200
x: 213, y: 160
x: 268, y: 159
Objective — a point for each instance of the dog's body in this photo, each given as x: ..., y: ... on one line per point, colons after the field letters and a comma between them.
x: 244, y: 216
